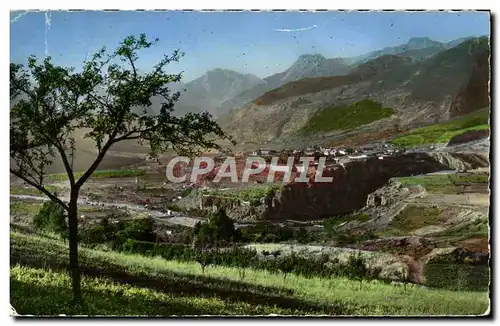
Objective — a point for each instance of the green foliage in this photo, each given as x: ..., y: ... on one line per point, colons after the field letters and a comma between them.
x: 444, y: 179
x: 186, y: 192
x: 443, y: 132
x: 262, y: 232
x: 219, y: 229
x: 458, y: 277
x: 22, y: 207
x: 112, y: 102
x: 99, y: 174
x: 346, y: 117
x: 51, y: 218
x: 356, y: 268
x: 414, y: 217
x: 445, y: 183
x: 248, y: 194
x: 118, y: 234
x: 103, y: 232
x: 478, y: 228
x: 303, y: 236
x: 14, y: 190
x: 42, y: 292
x: 331, y: 225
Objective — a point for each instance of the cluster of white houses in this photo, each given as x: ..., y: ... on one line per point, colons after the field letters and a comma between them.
x: 371, y: 150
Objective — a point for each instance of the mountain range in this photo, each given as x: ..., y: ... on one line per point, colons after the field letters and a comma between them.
x: 220, y: 91
x: 452, y: 82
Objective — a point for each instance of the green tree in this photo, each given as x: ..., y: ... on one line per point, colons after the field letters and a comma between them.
x: 52, y: 218
x: 356, y: 268
x: 218, y: 229
x: 110, y: 101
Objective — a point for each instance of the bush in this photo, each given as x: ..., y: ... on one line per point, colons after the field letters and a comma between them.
x: 220, y: 229
x: 139, y: 229
x: 303, y: 236
x: 103, y: 232
x: 118, y: 234
x: 51, y: 218
x: 264, y: 233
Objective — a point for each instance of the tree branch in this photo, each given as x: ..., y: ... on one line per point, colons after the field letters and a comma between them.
x: 41, y: 188
x: 67, y: 167
x: 94, y: 165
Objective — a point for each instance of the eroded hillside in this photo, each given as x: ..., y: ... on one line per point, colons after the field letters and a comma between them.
x: 451, y: 83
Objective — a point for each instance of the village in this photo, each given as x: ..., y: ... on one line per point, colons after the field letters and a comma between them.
x: 337, y: 154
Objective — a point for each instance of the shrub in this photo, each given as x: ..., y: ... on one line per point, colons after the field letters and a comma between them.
x: 356, y: 268
x: 139, y: 229
x: 103, y: 232
x: 51, y: 218
x: 219, y: 229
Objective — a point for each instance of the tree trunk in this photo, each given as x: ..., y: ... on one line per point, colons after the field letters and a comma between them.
x: 73, y: 247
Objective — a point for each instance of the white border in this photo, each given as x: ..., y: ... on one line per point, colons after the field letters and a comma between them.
x: 188, y: 4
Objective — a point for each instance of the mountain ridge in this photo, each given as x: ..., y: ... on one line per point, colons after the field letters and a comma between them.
x: 450, y: 83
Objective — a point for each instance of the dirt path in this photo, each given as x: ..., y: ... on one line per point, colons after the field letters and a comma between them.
x: 158, y: 216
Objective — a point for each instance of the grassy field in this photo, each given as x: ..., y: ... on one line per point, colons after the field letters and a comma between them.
x: 102, y: 174
x: 443, y: 132
x: 444, y: 183
x: 347, y: 117
x: 414, y: 217
x: 478, y: 228
x: 17, y: 190
x: 122, y: 284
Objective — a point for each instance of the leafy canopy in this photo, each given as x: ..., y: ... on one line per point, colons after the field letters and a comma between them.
x: 108, y: 99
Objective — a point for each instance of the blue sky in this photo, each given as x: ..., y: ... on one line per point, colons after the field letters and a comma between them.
x: 249, y: 42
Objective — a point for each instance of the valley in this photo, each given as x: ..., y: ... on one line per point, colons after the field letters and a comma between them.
x: 400, y: 228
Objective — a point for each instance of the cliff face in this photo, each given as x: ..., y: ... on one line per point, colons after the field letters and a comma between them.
x: 348, y: 191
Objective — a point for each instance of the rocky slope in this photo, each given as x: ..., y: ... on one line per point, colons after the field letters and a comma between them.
x: 306, y: 66
x: 348, y: 192
x: 416, y: 48
x: 207, y: 92
x: 451, y: 83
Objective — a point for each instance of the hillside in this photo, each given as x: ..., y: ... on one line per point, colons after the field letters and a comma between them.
x: 306, y: 66
x: 450, y: 83
x: 207, y: 92
x: 416, y: 48
x: 125, y: 284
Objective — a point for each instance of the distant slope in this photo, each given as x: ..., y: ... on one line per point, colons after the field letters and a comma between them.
x: 417, y: 48
x: 443, y: 132
x: 461, y: 73
x: 346, y: 117
x: 207, y: 92
x: 306, y: 66
x: 450, y: 83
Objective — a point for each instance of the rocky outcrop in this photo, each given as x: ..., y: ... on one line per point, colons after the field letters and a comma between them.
x: 235, y: 208
x: 409, y: 245
x: 355, y: 186
x: 468, y: 136
x: 461, y: 161
x: 453, y: 255
x: 386, y: 196
x: 349, y: 189
x: 384, y: 204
